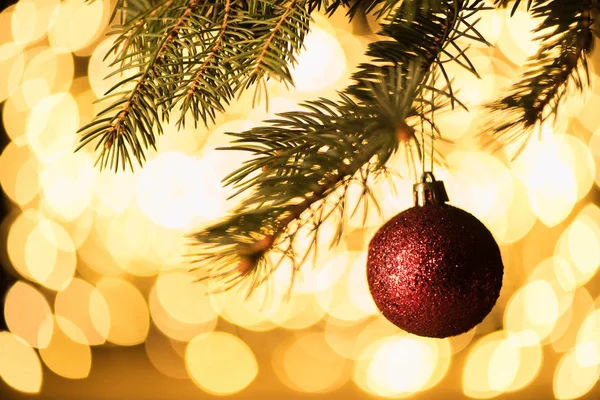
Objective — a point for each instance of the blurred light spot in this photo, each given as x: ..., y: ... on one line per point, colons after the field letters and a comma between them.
x: 564, y: 336
x: 28, y: 315
x: 460, y: 342
x: 30, y: 19
x: 16, y: 164
x: 532, y: 312
x: 50, y: 255
x: 5, y: 24
x: 583, y: 242
x: 247, y: 313
x: 20, y: 367
x: 359, y: 287
x: 174, y: 328
x: 573, y: 380
x: 578, y: 245
x: 98, y: 70
x: 220, y: 363
x: 185, y: 139
x: 492, y: 195
x: 76, y: 24
x: 588, y: 341
x: 398, y: 366
x: 27, y: 184
x: 129, y: 318
x: 341, y: 336
x: 299, y: 311
x: 50, y: 69
x: 94, y: 255
x: 163, y: 356
x: 320, y: 63
x: 520, y: 218
x: 12, y: 64
x: 184, y: 298
x: 68, y: 184
x: 581, y: 160
x: 14, y: 117
x: 115, y: 191
x: 67, y: 357
x: 82, y: 305
x: 516, y: 40
x: 309, y: 365
x: 174, y: 188
x: 545, y: 170
x: 51, y: 127
x: 16, y: 241
x: 476, y: 372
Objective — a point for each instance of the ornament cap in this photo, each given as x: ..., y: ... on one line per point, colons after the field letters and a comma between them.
x: 429, y: 191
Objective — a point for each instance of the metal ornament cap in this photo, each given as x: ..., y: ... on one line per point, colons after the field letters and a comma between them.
x: 429, y: 191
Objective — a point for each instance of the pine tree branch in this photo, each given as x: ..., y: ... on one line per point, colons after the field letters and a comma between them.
x: 191, y: 54
x: 304, y: 162
x: 566, y: 41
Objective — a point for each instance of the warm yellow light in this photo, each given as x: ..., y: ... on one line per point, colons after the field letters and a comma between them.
x: 299, y: 311
x: 309, y: 365
x: 174, y: 328
x: 549, y: 176
x: 12, y: 64
x: 460, y: 342
x: 578, y: 245
x: 17, y: 237
x: 234, y: 307
x: 83, y: 306
x: 15, y: 113
x: 68, y: 185
x: 98, y: 70
x: 342, y: 336
x: 564, y: 336
x: 358, y: 287
x: 28, y: 315
x: 115, y: 191
x: 588, y: 341
x: 490, y: 197
x: 76, y: 24
x: 163, y: 355
x: 320, y: 63
x: 50, y: 255
x: 532, y: 312
x: 399, y: 366
x: 516, y: 40
x: 184, y: 298
x: 220, y: 363
x: 18, y: 173
x: 476, y: 372
x: 49, y: 68
x: 67, y: 357
x: 51, y: 127
x: 20, y: 367
x: 173, y: 189
x: 573, y: 380
x: 519, y: 218
x: 30, y: 19
x: 129, y: 317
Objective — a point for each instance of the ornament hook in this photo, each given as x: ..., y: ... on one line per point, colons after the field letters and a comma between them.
x: 429, y: 191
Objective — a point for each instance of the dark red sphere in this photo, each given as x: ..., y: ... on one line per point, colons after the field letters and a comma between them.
x: 434, y: 270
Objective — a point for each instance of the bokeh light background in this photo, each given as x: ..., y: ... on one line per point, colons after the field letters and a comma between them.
x: 101, y: 304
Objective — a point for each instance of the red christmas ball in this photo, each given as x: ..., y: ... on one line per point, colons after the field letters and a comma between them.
x: 434, y: 270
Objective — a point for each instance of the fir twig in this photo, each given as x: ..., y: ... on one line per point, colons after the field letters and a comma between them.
x: 566, y: 40
x: 305, y: 161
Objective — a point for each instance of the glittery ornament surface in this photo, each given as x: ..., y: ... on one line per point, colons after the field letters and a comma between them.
x: 434, y: 270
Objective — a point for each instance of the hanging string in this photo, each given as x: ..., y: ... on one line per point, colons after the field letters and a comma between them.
x: 432, y: 125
